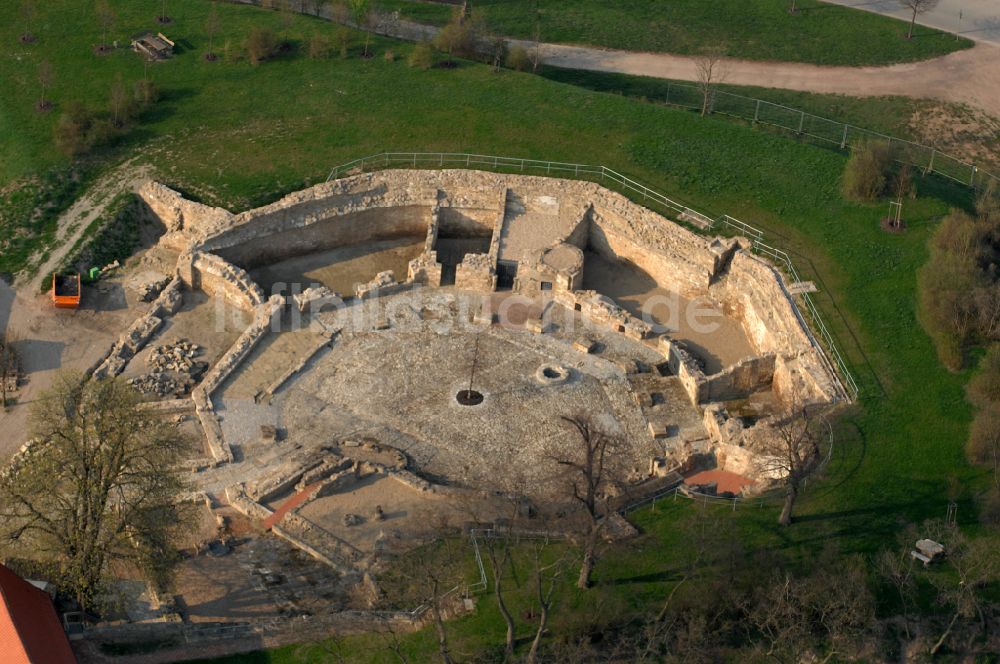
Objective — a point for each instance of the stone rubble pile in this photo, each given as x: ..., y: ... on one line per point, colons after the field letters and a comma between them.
x: 179, y: 356
x: 174, y: 370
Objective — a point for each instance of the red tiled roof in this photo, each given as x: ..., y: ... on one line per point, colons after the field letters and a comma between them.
x: 30, y: 632
x: 725, y: 481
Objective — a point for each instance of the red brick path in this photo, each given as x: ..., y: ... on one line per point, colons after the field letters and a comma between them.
x: 287, y: 506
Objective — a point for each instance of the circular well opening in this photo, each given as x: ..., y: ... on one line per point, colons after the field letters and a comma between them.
x: 551, y: 372
x: 469, y: 397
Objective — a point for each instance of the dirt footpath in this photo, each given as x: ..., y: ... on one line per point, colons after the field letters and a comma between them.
x: 970, y: 77
x: 74, y: 221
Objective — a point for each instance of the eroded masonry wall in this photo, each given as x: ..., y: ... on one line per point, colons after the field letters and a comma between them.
x: 389, y: 204
x: 250, y: 249
x: 677, y: 263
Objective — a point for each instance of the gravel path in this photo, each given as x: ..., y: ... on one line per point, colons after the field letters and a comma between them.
x: 75, y: 220
x: 971, y: 76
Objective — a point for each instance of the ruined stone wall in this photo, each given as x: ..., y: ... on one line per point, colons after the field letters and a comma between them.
x: 385, y: 204
x: 183, y: 219
x: 264, y: 316
x: 753, y: 291
x: 219, y: 278
x: 476, y: 272
x: 802, y: 379
x: 675, y: 258
x: 741, y: 379
x: 470, y: 212
x: 140, y: 332
x: 273, y: 238
x: 682, y: 365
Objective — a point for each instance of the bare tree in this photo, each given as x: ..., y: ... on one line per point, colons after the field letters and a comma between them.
x: 97, y: 486
x: 212, y: 24
x: 498, y: 551
x: 433, y: 579
x: 46, y: 76
x: 917, y: 7
x: 591, y: 471
x: 895, y: 566
x: 319, y: 6
x: 361, y: 15
x: 105, y: 19
x: 119, y: 102
x: 387, y: 632
x: 794, y: 616
x: 974, y: 564
x: 790, y: 450
x: 546, y: 579
x: 29, y: 10
x: 535, y: 53
x: 709, y: 71
x: 9, y: 367
x: 498, y: 49
x: 984, y: 440
x: 163, y: 18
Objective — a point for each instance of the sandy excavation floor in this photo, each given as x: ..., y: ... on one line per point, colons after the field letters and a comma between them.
x: 340, y: 269
x: 632, y: 289
x: 58, y: 339
x: 202, y: 319
x: 261, y: 577
x: 398, y: 387
x: 410, y: 516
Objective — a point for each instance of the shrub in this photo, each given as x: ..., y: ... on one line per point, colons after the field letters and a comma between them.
x: 390, y: 56
x: 984, y: 388
x: 74, y: 132
x: 422, y: 56
x: 518, y: 59
x: 960, y: 286
x: 320, y: 47
x: 147, y: 93
x: 456, y: 38
x: 343, y: 41
x: 261, y: 44
x: 988, y: 203
x: 989, y: 507
x: 868, y: 172
x: 983, y: 445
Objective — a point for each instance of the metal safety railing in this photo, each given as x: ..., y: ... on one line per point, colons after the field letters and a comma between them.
x: 641, y: 194
x: 831, y: 132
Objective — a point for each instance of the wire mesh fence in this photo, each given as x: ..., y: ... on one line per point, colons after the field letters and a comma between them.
x: 640, y: 193
x: 841, y: 134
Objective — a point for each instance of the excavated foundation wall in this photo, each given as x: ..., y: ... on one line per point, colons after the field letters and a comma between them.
x: 754, y: 293
x: 677, y: 263
x: 398, y: 203
x: 215, y: 276
x: 271, y: 245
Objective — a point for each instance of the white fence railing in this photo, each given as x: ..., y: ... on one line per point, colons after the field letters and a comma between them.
x: 641, y: 194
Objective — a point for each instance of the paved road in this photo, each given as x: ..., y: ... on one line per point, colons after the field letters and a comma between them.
x: 975, y: 19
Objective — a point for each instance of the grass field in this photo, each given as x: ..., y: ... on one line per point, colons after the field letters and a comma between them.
x: 233, y: 134
x: 819, y: 33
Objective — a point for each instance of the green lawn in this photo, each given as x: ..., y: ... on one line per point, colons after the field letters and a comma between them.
x: 819, y: 33
x: 890, y: 115
x: 237, y: 135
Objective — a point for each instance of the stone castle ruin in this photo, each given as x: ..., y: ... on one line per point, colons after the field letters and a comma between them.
x: 357, y: 311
